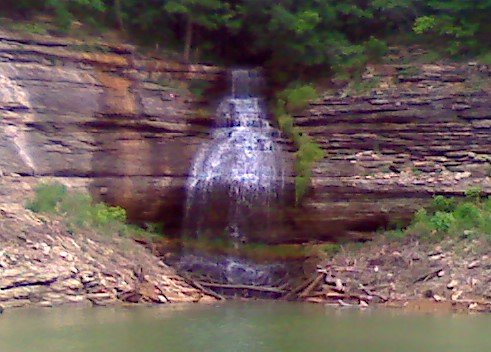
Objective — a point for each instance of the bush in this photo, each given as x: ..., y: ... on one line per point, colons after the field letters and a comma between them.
x: 298, y: 97
x: 474, y: 194
x: 375, y: 49
x: 47, y: 197
x: 449, y: 216
x: 441, y: 203
x: 79, y: 211
x: 442, y: 222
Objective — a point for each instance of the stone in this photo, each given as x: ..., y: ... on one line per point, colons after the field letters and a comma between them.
x: 452, y: 284
x: 98, y: 123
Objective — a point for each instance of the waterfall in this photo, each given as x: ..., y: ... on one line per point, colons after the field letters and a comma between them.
x: 237, y: 180
x: 236, y: 188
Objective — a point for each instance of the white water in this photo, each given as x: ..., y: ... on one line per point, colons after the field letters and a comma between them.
x: 237, y: 181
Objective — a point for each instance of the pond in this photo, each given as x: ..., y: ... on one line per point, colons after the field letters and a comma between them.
x: 240, y: 327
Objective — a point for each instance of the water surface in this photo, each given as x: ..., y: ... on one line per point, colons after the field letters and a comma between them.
x: 240, y: 327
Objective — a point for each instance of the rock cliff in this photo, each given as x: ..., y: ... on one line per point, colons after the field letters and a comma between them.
x: 101, y: 117
x: 403, y: 134
x: 125, y: 127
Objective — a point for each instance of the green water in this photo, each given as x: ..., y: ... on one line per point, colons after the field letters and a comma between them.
x: 240, y: 327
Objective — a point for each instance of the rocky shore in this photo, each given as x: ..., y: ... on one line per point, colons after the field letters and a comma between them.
x: 44, y: 264
x: 453, y: 275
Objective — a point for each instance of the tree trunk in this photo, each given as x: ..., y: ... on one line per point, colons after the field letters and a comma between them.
x: 119, y: 14
x: 189, y: 38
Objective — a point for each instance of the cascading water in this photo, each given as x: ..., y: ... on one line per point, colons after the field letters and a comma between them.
x: 237, y: 183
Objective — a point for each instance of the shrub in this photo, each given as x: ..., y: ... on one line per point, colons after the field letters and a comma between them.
x: 441, y: 203
x: 442, y: 222
x: 449, y: 216
x: 298, y: 97
x: 308, y: 151
x: 31, y: 28
x: 47, y: 197
x: 375, y: 49
x: 467, y: 215
x: 79, y: 211
x: 474, y: 193
x: 198, y: 87
x: 485, y: 58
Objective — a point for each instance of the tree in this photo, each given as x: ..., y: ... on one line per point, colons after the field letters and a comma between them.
x: 206, y: 14
x: 464, y: 24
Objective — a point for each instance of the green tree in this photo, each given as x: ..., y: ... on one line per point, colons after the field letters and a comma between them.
x: 463, y: 24
x: 207, y: 14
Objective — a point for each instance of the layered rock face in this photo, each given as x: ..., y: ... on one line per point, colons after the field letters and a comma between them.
x: 101, y: 117
x: 121, y: 125
x: 415, y: 131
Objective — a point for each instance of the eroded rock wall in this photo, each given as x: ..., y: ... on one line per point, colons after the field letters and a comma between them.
x: 120, y: 124
x: 415, y: 131
x: 102, y: 117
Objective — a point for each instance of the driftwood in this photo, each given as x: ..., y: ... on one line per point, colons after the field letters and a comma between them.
x: 298, y: 288
x: 428, y: 276
x: 374, y: 294
x: 312, y: 285
x: 242, y: 287
x: 197, y: 284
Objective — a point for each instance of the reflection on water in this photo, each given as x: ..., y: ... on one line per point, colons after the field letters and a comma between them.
x: 240, y: 327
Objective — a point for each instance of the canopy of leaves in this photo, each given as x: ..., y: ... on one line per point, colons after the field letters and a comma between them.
x: 290, y: 35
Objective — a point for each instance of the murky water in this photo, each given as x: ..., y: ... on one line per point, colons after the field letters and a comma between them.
x: 240, y: 327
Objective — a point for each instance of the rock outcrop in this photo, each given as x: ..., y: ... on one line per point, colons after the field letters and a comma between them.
x: 102, y: 117
x: 44, y: 264
x: 416, y: 131
x: 122, y: 125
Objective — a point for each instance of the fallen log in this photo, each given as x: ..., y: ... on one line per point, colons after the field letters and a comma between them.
x: 297, y: 289
x: 197, y: 284
x: 242, y: 287
x: 313, y: 285
x: 428, y: 276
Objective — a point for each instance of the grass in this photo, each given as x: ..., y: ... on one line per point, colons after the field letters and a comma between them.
x: 289, y: 101
x: 450, y: 217
x: 79, y: 211
x: 29, y: 28
x: 485, y: 59
x: 361, y: 86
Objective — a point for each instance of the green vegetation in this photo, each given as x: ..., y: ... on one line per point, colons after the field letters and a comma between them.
x: 294, y: 38
x: 80, y: 212
x: 289, y: 101
x: 30, y: 28
x: 451, y: 217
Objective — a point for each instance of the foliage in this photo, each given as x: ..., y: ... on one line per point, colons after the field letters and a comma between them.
x: 453, y: 217
x: 31, y: 28
x: 290, y: 100
x: 298, y: 97
x: 460, y: 23
x: 375, y: 49
x: 80, y: 212
x: 198, y: 87
x: 47, y: 197
x: 291, y: 37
